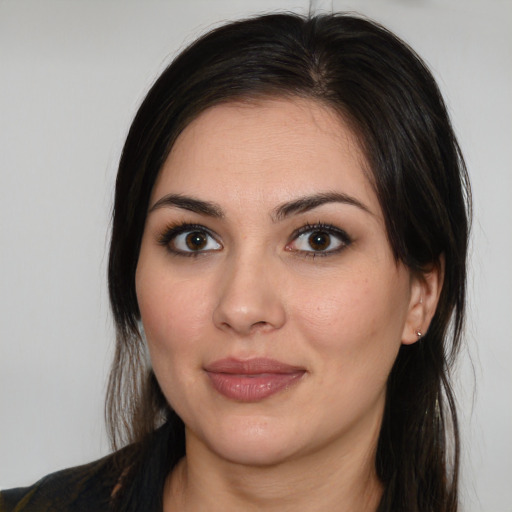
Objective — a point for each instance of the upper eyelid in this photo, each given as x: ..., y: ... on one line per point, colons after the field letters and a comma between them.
x: 170, y: 232
x: 183, y: 228
x: 320, y: 227
x: 173, y: 231
x: 344, y: 238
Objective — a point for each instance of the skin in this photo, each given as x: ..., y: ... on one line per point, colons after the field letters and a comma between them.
x: 255, y: 290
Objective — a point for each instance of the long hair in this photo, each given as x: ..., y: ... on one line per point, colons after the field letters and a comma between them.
x: 389, y: 98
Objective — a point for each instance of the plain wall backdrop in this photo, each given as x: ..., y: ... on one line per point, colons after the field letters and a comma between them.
x: 71, y: 76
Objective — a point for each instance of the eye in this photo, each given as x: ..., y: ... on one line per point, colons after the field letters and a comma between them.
x: 319, y: 239
x: 189, y: 240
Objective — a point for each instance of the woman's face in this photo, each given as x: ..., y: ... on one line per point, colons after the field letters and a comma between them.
x: 271, y: 302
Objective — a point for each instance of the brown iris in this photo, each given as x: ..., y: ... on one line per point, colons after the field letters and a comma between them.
x: 196, y: 240
x: 319, y: 240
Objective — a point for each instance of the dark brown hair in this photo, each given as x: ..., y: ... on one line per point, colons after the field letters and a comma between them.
x: 386, y: 93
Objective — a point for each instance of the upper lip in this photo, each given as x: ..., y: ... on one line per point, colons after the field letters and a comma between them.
x: 253, y: 366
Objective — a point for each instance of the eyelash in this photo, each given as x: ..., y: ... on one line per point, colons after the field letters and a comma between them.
x: 174, y: 230
x: 321, y: 227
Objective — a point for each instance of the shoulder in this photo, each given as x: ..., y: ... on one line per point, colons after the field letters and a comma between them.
x: 83, y: 488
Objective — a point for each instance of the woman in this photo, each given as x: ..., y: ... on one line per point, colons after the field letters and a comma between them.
x: 287, y: 276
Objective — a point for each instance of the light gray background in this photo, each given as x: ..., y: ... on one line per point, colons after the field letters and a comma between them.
x: 71, y: 76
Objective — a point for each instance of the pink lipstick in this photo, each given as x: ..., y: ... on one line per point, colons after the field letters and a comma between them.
x: 251, y: 380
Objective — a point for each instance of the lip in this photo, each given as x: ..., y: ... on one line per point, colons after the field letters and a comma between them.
x: 252, y: 380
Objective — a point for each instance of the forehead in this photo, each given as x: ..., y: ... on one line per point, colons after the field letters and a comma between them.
x: 278, y: 148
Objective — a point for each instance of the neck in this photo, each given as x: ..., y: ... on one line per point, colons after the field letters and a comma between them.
x: 322, y: 481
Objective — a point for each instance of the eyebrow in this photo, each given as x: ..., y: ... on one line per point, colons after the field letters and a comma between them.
x: 304, y: 204
x: 296, y: 206
x: 191, y: 204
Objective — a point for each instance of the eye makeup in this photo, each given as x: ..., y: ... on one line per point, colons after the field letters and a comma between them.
x: 310, y: 240
x: 186, y: 239
x: 319, y: 239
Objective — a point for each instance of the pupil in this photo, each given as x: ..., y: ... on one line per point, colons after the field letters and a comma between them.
x: 319, y: 240
x: 196, y: 241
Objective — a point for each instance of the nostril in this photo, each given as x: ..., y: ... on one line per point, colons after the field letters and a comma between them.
x: 259, y: 325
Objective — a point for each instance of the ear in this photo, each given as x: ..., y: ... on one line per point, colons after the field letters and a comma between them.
x: 425, y: 291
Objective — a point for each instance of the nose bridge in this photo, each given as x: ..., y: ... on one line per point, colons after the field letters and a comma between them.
x: 249, y: 299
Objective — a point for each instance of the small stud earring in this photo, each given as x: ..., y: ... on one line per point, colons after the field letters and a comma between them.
x: 419, y: 333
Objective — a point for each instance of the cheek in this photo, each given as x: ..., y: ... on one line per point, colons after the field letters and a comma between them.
x: 358, y: 317
x: 173, y: 313
x: 353, y: 335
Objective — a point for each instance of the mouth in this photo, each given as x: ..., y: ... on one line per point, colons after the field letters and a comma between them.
x: 252, y: 380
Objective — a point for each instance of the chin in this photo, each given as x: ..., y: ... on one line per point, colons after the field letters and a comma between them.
x: 252, y: 443
x: 253, y: 453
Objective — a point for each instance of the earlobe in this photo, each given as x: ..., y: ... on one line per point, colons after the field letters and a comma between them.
x: 425, y: 291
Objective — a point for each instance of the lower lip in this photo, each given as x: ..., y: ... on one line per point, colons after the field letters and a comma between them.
x: 252, y: 388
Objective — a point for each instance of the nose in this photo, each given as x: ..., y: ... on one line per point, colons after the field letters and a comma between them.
x: 249, y: 298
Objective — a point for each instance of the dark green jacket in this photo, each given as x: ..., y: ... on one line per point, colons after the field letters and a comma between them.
x: 141, y: 469
x: 84, y: 488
